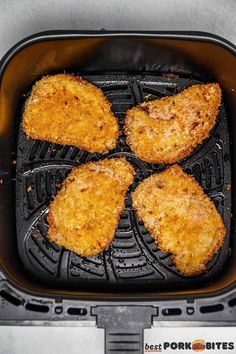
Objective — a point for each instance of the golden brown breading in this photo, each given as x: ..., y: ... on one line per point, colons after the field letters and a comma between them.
x: 84, y: 215
x: 67, y: 110
x: 168, y: 129
x: 181, y: 218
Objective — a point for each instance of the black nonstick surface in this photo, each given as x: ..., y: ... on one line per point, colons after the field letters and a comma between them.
x: 133, y: 257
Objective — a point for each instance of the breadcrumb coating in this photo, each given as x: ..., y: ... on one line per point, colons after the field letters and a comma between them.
x: 182, y: 219
x: 168, y: 129
x: 84, y: 215
x: 68, y: 110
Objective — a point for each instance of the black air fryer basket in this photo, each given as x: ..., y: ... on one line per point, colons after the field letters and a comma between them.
x: 132, y: 282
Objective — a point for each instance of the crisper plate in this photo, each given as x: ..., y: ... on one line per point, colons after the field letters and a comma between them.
x: 133, y: 257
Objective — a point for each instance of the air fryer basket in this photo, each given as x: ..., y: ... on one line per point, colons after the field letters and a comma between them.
x: 130, y: 65
x: 133, y: 259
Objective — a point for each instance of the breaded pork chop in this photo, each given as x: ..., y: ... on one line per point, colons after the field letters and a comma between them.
x: 84, y: 215
x: 181, y: 218
x: 68, y: 110
x: 168, y: 129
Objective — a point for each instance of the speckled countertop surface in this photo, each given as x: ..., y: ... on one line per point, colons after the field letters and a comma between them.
x: 19, y: 19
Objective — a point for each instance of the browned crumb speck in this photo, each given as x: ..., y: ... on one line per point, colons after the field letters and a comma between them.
x: 168, y: 129
x: 29, y: 189
x: 85, y: 213
x: 1, y: 181
x: 170, y: 76
x: 68, y: 110
x: 181, y: 218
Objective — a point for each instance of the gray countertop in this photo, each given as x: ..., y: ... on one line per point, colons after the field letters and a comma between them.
x: 51, y: 340
x: 19, y: 19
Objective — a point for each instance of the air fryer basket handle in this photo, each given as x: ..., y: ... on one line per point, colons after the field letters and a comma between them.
x: 124, y: 326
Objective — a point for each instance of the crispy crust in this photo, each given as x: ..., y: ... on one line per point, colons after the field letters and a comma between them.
x: 68, y: 110
x: 85, y: 213
x: 182, y: 219
x: 168, y: 129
